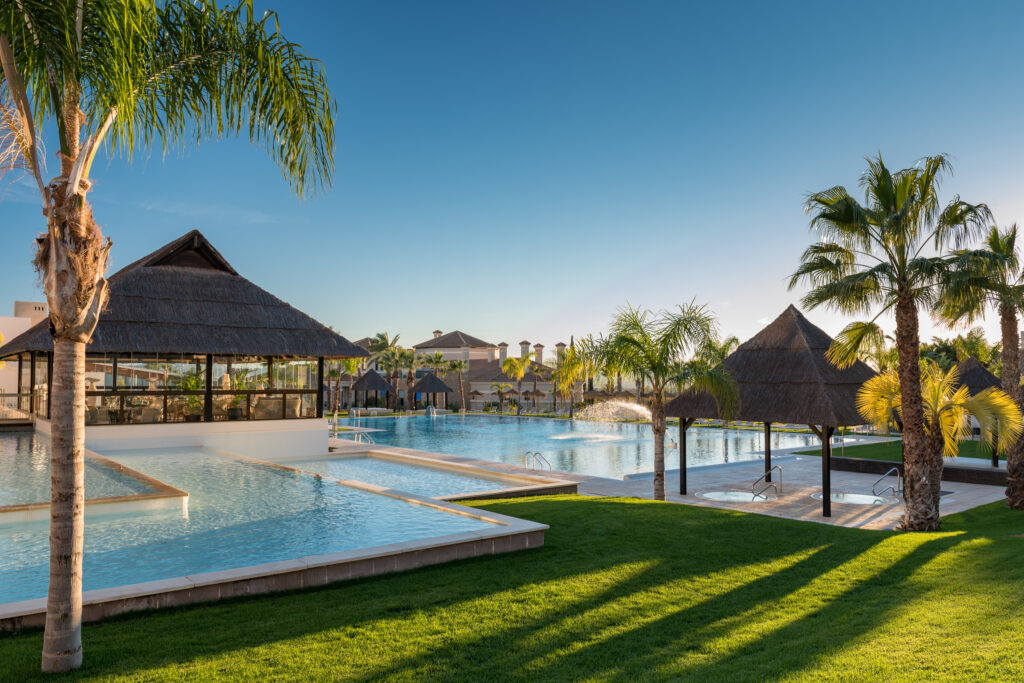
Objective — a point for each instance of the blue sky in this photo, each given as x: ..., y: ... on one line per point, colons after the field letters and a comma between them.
x: 519, y: 170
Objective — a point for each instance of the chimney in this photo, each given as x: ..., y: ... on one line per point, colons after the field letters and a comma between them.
x: 538, y: 353
x: 465, y: 354
x: 437, y: 333
x: 524, y: 348
x: 559, y: 350
x: 502, y: 352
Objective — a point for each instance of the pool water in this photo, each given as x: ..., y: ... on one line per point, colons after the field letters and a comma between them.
x: 25, y: 473
x: 601, y: 449
x: 423, y: 481
x: 240, y: 513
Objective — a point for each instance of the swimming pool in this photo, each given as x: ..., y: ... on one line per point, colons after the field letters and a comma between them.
x: 423, y: 481
x: 601, y: 449
x: 25, y: 473
x: 240, y: 513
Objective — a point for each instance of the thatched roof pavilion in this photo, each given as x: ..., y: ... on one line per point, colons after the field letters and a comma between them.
x: 782, y: 375
x: 431, y: 385
x: 184, y: 337
x: 976, y: 377
x: 372, y: 381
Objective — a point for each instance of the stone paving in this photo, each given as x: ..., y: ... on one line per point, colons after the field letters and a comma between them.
x: 801, y: 479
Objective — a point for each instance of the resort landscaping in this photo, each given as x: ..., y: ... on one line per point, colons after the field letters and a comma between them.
x: 623, y: 589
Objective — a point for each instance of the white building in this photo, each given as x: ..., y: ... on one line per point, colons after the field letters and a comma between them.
x: 26, y: 314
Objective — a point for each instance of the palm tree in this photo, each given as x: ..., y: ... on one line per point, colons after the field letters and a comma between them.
x: 500, y: 388
x: 871, y: 257
x: 381, y: 343
x: 515, y: 369
x: 538, y: 374
x: 351, y: 367
x: 410, y: 362
x: 946, y: 410
x: 652, y: 348
x: 992, y: 276
x: 435, y: 361
x: 125, y: 75
x: 392, y: 360
x: 459, y: 367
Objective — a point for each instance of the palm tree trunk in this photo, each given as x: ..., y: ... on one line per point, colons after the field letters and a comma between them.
x: 658, y: 427
x: 1011, y: 385
x: 922, y: 503
x: 519, y: 401
x: 462, y: 395
x: 62, y: 640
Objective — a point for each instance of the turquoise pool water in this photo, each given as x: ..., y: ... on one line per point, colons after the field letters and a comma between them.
x: 239, y: 514
x: 25, y: 473
x: 423, y: 481
x: 600, y: 449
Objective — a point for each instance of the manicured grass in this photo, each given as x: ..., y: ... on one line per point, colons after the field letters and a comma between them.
x: 622, y: 590
x: 892, y: 451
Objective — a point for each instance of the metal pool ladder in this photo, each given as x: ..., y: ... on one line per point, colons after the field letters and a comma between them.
x: 896, y: 490
x: 362, y: 437
x: 534, y: 459
x: 767, y: 485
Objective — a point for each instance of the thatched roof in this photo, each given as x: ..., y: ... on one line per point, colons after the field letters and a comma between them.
x: 372, y: 381
x: 186, y: 298
x: 976, y: 377
x: 783, y: 376
x: 454, y: 340
x: 430, y: 384
x: 476, y: 393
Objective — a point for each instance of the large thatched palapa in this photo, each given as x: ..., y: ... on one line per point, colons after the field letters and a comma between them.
x: 782, y: 375
x: 976, y: 377
x: 431, y: 385
x: 184, y: 337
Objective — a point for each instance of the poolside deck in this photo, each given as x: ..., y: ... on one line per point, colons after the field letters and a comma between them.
x: 801, y: 479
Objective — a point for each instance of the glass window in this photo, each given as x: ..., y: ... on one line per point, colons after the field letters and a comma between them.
x: 295, y: 374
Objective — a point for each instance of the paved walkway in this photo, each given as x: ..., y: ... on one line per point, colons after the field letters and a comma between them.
x: 801, y: 479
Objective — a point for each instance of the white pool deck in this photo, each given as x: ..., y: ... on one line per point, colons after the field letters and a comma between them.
x: 801, y: 478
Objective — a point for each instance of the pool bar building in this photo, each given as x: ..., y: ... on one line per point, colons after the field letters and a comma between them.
x: 185, y: 338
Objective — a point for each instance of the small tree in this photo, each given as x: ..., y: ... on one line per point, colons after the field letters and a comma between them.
x: 515, y: 370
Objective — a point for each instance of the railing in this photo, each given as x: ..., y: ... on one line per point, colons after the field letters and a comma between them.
x: 896, y: 490
x: 14, y: 407
x: 363, y: 437
x: 768, y: 484
x: 534, y: 459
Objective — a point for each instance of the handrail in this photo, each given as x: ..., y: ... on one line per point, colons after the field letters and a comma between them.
x: 533, y: 458
x: 769, y: 485
x: 896, y: 490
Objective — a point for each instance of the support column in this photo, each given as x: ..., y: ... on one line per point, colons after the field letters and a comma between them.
x: 768, y: 451
x: 826, y: 471
x: 208, y: 401
x: 320, y: 386
x: 32, y: 383
x: 684, y: 424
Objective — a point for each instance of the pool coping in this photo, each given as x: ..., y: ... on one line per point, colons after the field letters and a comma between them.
x: 163, y: 495
x: 508, y: 535
x: 531, y: 485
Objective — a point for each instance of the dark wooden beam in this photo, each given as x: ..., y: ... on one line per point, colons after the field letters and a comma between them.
x: 32, y: 382
x: 768, y: 451
x: 684, y: 424
x: 320, y: 386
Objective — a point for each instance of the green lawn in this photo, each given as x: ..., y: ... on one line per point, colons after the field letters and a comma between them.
x: 623, y: 589
x: 892, y: 451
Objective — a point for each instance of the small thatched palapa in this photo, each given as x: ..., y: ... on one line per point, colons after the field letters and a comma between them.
x: 186, y: 298
x: 976, y: 377
x: 372, y: 381
x: 782, y: 375
x: 431, y: 384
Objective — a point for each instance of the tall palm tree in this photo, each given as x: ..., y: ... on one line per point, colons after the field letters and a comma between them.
x: 515, y: 369
x: 992, y: 276
x: 435, y: 361
x: 651, y: 348
x: 351, y: 367
x: 872, y: 257
x: 500, y: 388
x: 459, y: 367
x: 946, y: 409
x: 128, y: 75
x: 410, y: 362
x: 537, y: 370
x: 391, y: 360
x: 381, y: 343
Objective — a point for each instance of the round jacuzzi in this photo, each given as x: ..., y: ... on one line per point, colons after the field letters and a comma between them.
x: 736, y: 496
x: 858, y: 498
